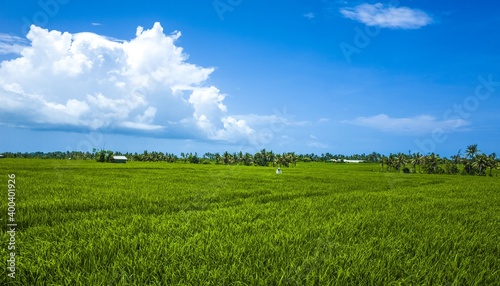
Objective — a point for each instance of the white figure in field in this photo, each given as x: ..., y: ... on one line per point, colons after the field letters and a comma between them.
x: 278, y: 171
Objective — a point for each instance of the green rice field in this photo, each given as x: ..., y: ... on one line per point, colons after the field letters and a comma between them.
x: 89, y: 223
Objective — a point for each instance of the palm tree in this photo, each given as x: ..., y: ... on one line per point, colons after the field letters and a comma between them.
x: 456, y: 159
x: 260, y: 158
x: 293, y: 158
x: 471, y: 151
x: 481, y: 163
x: 493, y: 162
x: 421, y: 161
x: 101, y: 157
x: 264, y: 157
x: 431, y: 164
x: 217, y: 158
x: 193, y: 158
x: 288, y: 158
x: 226, y: 158
x: 282, y: 160
x: 470, y: 156
x: 271, y: 157
x: 279, y: 160
x: 416, y: 160
x: 208, y: 156
x: 383, y: 161
x: 171, y: 158
x: 391, y: 162
x: 400, y: 161
x: 240, y: 157
x: 247, y: 159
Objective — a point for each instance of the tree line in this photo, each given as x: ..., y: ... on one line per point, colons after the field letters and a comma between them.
x: 473, y: 162
x: 261, y: 158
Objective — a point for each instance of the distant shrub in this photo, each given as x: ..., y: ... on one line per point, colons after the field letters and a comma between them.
x: 406, y: 170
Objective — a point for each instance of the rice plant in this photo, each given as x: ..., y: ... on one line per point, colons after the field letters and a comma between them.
x: 85, y: 223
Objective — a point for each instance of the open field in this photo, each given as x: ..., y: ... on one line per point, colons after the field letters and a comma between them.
x: 88, y: 223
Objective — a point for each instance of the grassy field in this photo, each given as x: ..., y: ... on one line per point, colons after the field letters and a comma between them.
x: 88, y: 223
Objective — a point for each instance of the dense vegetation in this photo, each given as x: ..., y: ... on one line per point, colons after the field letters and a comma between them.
x: 472, y: 163
x: 147, y: 223
x: 219, y: 158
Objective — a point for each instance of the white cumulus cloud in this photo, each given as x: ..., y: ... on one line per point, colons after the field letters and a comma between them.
x: 418, y: 125
x: 85, y: 81
x: 386, y: 16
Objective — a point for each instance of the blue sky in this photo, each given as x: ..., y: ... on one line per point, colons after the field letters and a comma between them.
x: 208, y: 76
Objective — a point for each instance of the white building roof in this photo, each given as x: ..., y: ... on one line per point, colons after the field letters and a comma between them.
x: 119, y: 158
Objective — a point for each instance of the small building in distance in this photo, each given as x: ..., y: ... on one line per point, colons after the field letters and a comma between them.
x: 2, y: 156
x: 119, y: 159
x: 346, y: 161
x: 354, y: 161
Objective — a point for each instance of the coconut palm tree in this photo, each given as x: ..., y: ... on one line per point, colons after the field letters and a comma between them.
x: 271, y: 157
x: 293, y: 158
x: 260, y: 158
x: 431, y: 164
x: 284, y: 160
x: 454, y: 162
x: 493, y: 162
x: 240, y: 158
x: 217, y: 158
x: 247, y: 159
x: 481, y: 163
x: 471, y: 151
x: 391, y: 162
x: 416, y: 160
x: 226, y: 158
x: 470, y: 156
x: 279, y: 160
x: 400, y: 161
x: 383, y: 161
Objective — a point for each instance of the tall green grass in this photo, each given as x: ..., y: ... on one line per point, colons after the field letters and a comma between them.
x: 85, y: 223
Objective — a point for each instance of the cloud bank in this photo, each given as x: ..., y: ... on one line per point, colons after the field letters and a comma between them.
x: 387, y: 16
x: 11, y: 44
x: 85, y: 81
x: 418, y: 125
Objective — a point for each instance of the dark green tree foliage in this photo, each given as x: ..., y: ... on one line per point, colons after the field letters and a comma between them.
x: 473, y: 163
